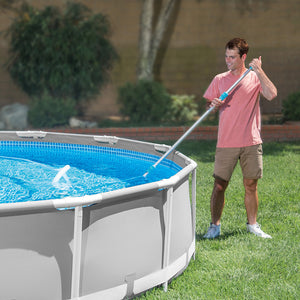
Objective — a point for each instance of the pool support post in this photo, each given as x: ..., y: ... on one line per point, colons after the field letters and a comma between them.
x: 77, y: 247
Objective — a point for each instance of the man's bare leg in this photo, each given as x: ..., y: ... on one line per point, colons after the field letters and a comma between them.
x: 251, y: 199
x: 217, y: 200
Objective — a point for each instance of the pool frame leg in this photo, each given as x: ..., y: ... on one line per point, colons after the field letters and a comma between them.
x: 194, y: 196
x: 76, y: 265
x: 168, y: 224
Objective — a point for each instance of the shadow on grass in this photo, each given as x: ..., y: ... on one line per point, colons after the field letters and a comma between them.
x: 222, y: 237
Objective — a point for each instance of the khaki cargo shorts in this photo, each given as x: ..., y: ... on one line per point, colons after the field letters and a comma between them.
x: 250, y: 161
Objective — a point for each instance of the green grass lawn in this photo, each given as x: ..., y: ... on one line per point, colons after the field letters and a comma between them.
x: 239, y: 265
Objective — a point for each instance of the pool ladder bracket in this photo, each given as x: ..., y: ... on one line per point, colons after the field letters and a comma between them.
x: 104, y: 139
x: 161, y: 148
x: 31, y: 134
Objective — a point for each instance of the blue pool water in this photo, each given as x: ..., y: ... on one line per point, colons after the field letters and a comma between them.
x: 27, y: 170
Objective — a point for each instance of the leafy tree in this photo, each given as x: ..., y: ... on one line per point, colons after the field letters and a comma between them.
x: 65, y: 54
x: 148, y: 100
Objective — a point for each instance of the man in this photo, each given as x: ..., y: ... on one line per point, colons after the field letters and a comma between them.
x: 239, y: 132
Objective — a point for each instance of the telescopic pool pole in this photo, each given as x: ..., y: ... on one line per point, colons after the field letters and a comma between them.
x: 222, y: 97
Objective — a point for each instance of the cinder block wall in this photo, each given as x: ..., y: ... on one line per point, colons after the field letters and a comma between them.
x: 193, y: 51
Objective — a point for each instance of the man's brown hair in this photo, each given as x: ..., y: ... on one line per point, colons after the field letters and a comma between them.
x: 238, y: 43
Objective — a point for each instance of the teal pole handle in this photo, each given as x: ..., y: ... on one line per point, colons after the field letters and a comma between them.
x: 223, y: 96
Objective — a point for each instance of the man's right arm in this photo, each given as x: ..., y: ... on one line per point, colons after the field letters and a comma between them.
x: 269, y: 90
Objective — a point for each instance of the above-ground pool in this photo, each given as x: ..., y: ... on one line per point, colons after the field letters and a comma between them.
x: 78, y: 220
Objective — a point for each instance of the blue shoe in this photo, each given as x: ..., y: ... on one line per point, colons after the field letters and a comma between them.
x: 213, y: 231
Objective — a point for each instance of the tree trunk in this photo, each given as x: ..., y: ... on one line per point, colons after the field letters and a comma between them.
x: 151, y: 38
x: 7, y: 4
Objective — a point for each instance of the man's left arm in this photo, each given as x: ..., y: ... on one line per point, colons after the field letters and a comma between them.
x: 269, y: 90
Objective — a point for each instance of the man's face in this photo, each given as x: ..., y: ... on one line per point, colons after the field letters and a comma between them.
x: 233, y: 60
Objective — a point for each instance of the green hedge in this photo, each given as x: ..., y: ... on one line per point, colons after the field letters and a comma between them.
x: 144, y: 101
x: 291, y: 107
x: 48, y: 111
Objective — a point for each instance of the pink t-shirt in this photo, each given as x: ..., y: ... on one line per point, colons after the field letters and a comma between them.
x: 239, y: 116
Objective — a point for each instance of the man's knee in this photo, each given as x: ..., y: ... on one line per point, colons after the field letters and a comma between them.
x: 220, y: 185
x: 250, y: 185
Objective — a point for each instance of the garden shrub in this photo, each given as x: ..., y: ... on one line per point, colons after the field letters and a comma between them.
x: 64, y: 53
x: 49, y: 111
x: 183, y: 108
x: 291, y: 107
x: 144, y: 101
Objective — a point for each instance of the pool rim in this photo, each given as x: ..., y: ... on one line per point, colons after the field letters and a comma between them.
x: 71, y: 201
